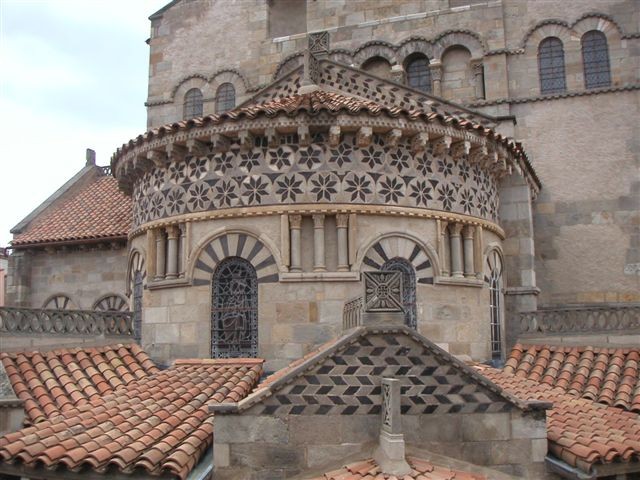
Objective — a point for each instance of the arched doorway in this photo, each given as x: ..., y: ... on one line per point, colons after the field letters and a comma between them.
x: 234, y: 309
x: 403, y: 266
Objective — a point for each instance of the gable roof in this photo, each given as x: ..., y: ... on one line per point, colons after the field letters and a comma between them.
x: 347, y: 368
x: 88, y: 208
x: 51, y: 383
x: 158, y: 425
x: 420, y: 470
x: 610, y: 376
x: 581, y: 433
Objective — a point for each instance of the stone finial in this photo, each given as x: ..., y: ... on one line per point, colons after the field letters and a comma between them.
x: 90, y: 157
x: 391, y: 450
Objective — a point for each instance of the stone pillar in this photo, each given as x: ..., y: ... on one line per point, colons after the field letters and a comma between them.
x: 390, y: 453
x: 182, y: 256
x: 173, y: 233
x: 295, y: 223
x: 456, y: 250
x: 467, y: 233
x: 478, y: 78
x: 397, y: 73
x: 161, y: 254
x: 19, y: 279
x: 318, y: 243
x: 436, y: 77
x: 442, y: 248
x: 342, y: 224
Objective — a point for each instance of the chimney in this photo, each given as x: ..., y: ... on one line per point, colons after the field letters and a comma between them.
x: 91, y: 157
x: 390, y: 452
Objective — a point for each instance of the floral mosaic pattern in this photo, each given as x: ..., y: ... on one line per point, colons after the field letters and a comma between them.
x: 288, y: 173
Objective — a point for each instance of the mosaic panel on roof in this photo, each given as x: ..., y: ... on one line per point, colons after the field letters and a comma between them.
x: 378, y: 174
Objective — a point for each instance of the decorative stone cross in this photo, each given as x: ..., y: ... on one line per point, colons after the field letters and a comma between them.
x: 390, y: 453
x: 317, y: 48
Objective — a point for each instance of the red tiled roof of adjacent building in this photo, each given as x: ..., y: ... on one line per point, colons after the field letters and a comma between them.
x: 580, y: 432
x: 95, y: 210
x: 420, y: 470
x: 55, y: 382
x: 604, y: 375
x: 159, y: 424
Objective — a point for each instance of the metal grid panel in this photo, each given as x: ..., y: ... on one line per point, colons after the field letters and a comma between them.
x: 193, y: 104
x: 137, y: 307
x: 408, y: 288
x: 225, y: 98
x: 595, y: 58
x: 551, y: 66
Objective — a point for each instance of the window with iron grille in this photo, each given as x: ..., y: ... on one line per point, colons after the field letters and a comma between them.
x: 137, y: 307
x: 193, y: 104
x: 403, y: 266
x: 595, y: 58
x: 551, y: 66
x: 225, y: 98
x: 234, y: 310
x: 418, y: 73
x: 495, y: 304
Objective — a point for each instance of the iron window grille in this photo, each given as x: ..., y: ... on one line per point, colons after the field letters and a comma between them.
x: 595, y: 59
x: 193, y: 104
x: 137, y: 307
x: 495, y: 306
x: 551, y: 66
x: 401, y: 265
x: 225, y: 98
x: 419, y: 74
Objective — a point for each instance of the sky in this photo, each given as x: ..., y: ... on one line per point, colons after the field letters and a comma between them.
x: 73, y: 75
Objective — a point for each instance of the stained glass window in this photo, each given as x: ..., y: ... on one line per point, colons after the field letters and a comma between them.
x: 225, y: 98
x: 418, y: 74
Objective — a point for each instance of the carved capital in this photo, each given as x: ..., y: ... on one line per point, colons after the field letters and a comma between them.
x: 468, y: 232
x: 455, y: 229
x: 295, y: 221
x: 436, y: 71
x: 173, y: 232
x: 318, y: 220
x: 342, y: 220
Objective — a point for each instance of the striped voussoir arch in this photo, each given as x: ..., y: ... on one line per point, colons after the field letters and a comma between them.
x: 400, y: 247
x: 235, y: 245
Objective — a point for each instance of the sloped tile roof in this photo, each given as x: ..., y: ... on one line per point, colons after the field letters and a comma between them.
x: 580, y: 432
x: 420, y: 470
x: 51, y: 383
x: 159, y: 424
x: 604, y: 375
x: 93, y: 210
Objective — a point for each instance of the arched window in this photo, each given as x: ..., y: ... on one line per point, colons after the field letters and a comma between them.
x: 551, y: 66
x: 418, y: 73
x: 225, y: 97
x: 595, y: 58
x: 137, y: 306
x: 193, y: 104
x: 378, y: 66
x: 403, y: 266
x: 495, y: 303
x: 234, y: 310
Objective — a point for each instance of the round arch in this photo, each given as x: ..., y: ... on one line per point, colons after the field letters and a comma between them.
x: 135, y: 263
x: 111, y: 302
x: 60, y: 301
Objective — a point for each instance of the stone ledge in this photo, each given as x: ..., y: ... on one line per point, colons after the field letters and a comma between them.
x: 461, y: 282
x: 159, y: 284
x: 291, y: 277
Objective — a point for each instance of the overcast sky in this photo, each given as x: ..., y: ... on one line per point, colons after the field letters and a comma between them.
x: 73, y: 75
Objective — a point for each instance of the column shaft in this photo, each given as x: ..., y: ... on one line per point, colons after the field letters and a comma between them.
x: 468, y: 252
x: 173, y: 233
x: 318, y: 243
x: 342, y: 224
x: 456, y: 250
x: 295, y: 222
x: 442, y: 250
x: 161, y: 254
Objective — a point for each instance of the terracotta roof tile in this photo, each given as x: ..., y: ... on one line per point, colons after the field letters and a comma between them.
x: 579, y: 431
x: 93, y: 210
x: 55, y: 382
x: 159, y: 423
x: 605, y: 375
x: 420, y: 470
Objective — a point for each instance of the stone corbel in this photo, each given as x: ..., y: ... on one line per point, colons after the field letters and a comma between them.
x: 419, y: 142
x: 273, y: 137
x: 459, y: 149
x: 478, y: 77
x: 142, y: 164
x: 393, y: 137
x: 477, y: 154
x: 159, y: 158
x: 304, y: 138
x: 246, y: 139
x: 441, y: 145
x: 334, y: 135
x: 364, y: 136
x: 197, y: 148
x: 175, y: 152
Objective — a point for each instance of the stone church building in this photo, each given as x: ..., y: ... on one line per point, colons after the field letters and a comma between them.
x: 487, y: 152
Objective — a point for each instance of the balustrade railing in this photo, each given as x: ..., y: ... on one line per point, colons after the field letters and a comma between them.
x: 17, y: 320
x: 568, y: 319
x: 352, y: 313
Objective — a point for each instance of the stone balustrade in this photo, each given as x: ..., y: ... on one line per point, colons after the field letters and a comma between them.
x: 570, y: 319
x: 65, y: 322
x: 352, y: 313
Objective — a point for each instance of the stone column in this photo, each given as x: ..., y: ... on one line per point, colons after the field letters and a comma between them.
x: 342, y: 224
x: 318, y: 243
x: 467, y: 233
x: 442, y: 248
x: 182, y: 257
x: 19, y: 279
x: 173, y: 233
x: 161, y: 254
x: 478, y: 78
x: 295, y: 223
x: 390, y: 453
x: 436, y: 78
x: 456, y: 250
